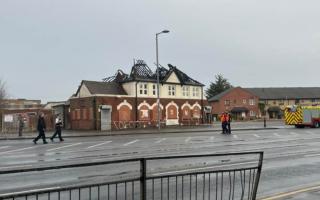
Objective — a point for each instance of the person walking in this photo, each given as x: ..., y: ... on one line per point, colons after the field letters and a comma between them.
x: 21, y: 124
x: 223, y: 123
x: 58, y: 127
x: 228, y: 119
x: 41, y: 129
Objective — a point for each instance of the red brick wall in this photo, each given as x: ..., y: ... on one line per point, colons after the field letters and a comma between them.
x: 236, y: 97
x: 90, y: 117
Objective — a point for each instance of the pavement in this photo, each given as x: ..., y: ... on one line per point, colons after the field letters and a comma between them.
x: 215, y: 127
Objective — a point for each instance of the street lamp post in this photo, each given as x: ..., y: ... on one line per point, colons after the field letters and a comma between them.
x: 158, y: 77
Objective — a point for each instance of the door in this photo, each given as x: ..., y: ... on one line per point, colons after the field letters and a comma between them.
x: 106, y: 119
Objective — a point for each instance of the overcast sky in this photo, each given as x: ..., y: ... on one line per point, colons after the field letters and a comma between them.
x: 48, y: 46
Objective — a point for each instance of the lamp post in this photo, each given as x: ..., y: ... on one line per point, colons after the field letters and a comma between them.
x: 158, y: 77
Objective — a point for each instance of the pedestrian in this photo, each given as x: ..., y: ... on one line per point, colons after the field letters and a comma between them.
x: 21, y: 124
x: 223, y: 123
x: 58, y: 127
x: 229, y: 118
x: 41, y: 129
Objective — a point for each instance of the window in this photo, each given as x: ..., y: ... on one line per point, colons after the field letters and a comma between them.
x: 244, y: 101
x: 252, y: 113
x: 234, y: 101
x: 195, y: 91
x: 185, y: 91
x: 171, y: 90
x: 143, y: 88
x: 154, y: 89
x: 251, y: 102
x: 78, y: 114
x: 227, y: 102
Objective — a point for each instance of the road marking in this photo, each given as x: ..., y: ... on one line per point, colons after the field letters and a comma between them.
x: 294, y: 133
x: 4, y: 147
x: 28, y: 191
x: 288, y: 194
x: 70, y: 145
x: 187, y: 140
x: 235, y: 136
x: 256, y: 135
x: 161, y: 140
x: 16, y: 150
x: 17, y: 166
x: 312, y: 155
x: 107, y: 142
x: 310, y: 132
x: 127, y: 144
x: 202, y: 168
x: 276, y: 134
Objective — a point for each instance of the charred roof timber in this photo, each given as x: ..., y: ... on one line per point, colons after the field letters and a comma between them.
x: 141, y: 72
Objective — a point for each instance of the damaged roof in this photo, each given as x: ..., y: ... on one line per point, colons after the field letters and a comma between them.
x: 140, y: 71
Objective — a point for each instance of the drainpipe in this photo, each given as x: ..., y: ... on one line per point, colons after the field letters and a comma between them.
x: 202, y: 108
x: 94, y: 108
x: 136, y: 101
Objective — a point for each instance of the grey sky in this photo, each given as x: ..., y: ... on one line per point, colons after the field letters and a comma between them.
x: 48, y: 46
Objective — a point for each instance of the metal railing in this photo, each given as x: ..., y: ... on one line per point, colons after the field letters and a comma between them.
x: 188, y: 177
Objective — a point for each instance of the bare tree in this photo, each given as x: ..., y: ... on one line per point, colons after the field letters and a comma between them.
x: 3, y: 91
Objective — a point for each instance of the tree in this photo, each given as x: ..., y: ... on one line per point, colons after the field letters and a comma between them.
x: 221, y: 84
x: 3, y: 92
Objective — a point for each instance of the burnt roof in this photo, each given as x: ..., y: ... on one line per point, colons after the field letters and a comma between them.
x: 140, y: 71
x: 183, y: 78
x: 96, y: 87
x: 118, y: 77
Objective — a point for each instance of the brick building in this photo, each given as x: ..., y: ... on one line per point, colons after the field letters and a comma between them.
x: 251, y: 103
x: 240, y: 102
x: 130, y: 100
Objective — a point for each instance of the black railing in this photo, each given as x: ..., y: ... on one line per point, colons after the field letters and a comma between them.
x: 189, y: 177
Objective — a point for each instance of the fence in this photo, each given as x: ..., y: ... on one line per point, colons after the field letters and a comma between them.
x: 191, y: 177
x: 10, y: 120
x: 119, y: 125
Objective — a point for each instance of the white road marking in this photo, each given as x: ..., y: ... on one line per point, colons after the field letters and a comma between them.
x: 256, y: 135
x: 16, y: 150
x: 187, y: 140
x: 4, y: 147
x: 294, y: 133
x: 161, y: 140
x: 28, y: 191
x: 310, y: 132
x: 107, y: 142
x: 235, y: 136
x: 17, y: 166
x: 276, y: 134
x: 70, y: 145
x: 127, y: 144
x: 312, y: 155
x: 202, y: 168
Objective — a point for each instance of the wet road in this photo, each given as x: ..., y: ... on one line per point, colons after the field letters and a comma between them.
x: 292, y: 156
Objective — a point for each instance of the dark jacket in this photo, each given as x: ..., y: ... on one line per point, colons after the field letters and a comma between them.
x: 41, y: 124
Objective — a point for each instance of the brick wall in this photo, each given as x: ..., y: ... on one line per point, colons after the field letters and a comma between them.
x: 237, y: 97
x: 84, y: 112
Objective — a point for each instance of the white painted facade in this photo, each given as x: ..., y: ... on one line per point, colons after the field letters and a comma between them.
x: 149, y: 89
x: 84, y: 92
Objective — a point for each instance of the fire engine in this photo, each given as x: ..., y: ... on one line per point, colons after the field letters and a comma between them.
x: 302, y: 116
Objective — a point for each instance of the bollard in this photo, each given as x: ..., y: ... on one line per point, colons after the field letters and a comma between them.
x: 264, y: 123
